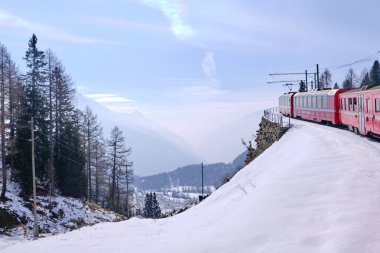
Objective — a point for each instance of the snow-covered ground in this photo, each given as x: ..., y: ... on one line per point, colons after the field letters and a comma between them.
x: 315, y: 190
x: 64, y: 214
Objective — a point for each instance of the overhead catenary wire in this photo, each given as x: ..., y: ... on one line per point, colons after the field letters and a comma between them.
x: 47, y: 148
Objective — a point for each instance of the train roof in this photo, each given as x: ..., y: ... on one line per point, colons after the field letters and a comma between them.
x: 289, y: 94
x: 318, y: 92
x: 363, y: 89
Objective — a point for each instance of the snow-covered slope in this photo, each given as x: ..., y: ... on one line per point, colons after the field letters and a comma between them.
x: 56, y: 215
x: 315, y: 190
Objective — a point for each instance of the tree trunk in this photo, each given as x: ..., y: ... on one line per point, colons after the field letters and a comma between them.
x: 2, y: 123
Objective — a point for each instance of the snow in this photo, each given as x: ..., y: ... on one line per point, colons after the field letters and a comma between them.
x: 315, y: 190
x: 64, y: 215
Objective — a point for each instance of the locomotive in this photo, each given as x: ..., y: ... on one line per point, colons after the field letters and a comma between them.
x: 356, y: 109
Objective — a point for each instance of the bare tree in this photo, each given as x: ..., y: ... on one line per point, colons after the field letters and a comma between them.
x: 3, y: 56
x: 352, y: 78
x: 10, y: 92
x: 101, y: 166
x: 325, y: 80
x: 118, y: 152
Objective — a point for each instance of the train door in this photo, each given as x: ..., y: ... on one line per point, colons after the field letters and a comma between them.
x: 361, y: 114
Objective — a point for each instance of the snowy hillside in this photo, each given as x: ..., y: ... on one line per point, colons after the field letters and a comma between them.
x: 316, y: 190
x: 64, y: 214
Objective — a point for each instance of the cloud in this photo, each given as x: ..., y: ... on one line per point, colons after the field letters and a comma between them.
x: 114, y: 102
x: 108, y: 98
x: 208, y: 65
x: 175, y: 12
x: 10, y: 20
x: 121, y: 23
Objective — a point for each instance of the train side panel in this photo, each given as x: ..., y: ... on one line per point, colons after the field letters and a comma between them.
x: 318, y: 106
x: 359, y: 110
x: 286, y: 104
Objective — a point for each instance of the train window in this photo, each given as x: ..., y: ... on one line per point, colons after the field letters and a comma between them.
x: 377, y: 105
x: 368, y: 104
x: 345, y: 104
x: 324, y: 102
x: 309, y: 105
x: 341, y: 104
x: 355, y: 104
x: 350, y: 104
x: 319, y: 102
x: 314, y: 101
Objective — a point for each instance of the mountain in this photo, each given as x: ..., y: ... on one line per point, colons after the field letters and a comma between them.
x: 223, y: 144
x: 315, y: 190
x: 154, y: 148
x: 190, y: 176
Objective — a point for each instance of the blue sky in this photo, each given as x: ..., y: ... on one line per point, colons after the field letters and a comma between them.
x: 192, y: 65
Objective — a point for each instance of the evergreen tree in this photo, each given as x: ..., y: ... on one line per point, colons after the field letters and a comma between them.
x: 70, y: 163
x: 151, y: 207
x: 336, y: 86
x: 148, y: 204
x: 374, y: 75
x: 33, y: 106
x: 156, y: 210
x: 302, y: 87
x: 366, y: 80
x: 346, y: 84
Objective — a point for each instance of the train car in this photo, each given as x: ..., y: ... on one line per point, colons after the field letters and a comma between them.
x: 319, y: 106
x: 286, y: 104
x: 360, y: 110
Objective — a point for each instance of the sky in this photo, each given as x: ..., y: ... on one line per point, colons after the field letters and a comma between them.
x: 193, y: 66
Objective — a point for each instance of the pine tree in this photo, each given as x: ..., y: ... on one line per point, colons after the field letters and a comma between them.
x: 347, y: 84
x: 336, y: 86
x: 147, y: 212
x: 151, y: 207
x: 52, y: 63
x: 156, y: 210
x: 302, y: 87
x: 33, y: 106
x: 366, y: 81
x: 70, y: 163
x: 374, y: 75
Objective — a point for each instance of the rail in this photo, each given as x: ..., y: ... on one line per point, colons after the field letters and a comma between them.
x: 273, y: 115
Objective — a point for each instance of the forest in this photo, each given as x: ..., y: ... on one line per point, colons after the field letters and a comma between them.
x: 72, y: 156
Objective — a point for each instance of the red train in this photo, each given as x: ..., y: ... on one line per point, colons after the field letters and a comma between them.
x: 357, y: 109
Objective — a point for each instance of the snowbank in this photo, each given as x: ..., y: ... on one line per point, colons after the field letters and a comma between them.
x: 316, y: 190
